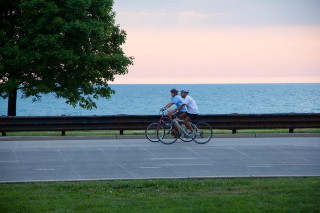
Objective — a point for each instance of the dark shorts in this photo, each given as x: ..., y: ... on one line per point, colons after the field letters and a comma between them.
x: 192, y: 116
x: 179, y: 113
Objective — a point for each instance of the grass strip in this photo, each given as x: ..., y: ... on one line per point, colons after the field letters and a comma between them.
x: 166, y: 195
x: 142, y: 132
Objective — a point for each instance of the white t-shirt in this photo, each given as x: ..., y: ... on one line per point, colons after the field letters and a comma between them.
x: 191, y: 105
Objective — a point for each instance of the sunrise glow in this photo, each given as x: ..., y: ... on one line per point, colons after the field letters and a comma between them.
x: 190, y: 49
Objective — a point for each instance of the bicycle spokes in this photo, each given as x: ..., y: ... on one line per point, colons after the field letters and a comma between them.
x: 203, y: 133
x: 168, y: 136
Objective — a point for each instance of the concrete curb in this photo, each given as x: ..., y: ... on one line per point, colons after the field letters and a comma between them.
x: 119, y: 137
x: 164, y: 178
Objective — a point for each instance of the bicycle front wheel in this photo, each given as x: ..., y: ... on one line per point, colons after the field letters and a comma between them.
x: 203, y: 133
x: 167, y: 135
x: 151, y: 132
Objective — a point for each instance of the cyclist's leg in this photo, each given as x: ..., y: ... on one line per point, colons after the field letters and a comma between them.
x: 184, y: 134
x: 170, y: 112
x: 189, y: 118
x: 181, y: 116
x: 187, y: 123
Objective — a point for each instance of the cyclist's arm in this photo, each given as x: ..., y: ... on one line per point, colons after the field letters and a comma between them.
x: 168, y: 105
x: 180, y: 107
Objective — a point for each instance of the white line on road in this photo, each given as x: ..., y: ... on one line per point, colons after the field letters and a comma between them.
x: 190, y: 164
x: 282, y: 164
x: 47, y: 169
x: 150, y: 167
x: 172, y: 158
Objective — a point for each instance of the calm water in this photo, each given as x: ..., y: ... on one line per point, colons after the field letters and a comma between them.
x: 211, y: 99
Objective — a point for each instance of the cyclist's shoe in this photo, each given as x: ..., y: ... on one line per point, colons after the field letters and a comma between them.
x: 192, y: 134
x: 199, y: 134
x: 175, y: 133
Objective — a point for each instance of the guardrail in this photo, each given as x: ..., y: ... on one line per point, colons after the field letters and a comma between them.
x: 232, y: 122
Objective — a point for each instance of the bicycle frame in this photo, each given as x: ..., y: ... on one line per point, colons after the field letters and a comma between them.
x: 163, y: 118
x: 152, y: 128
x: 184, y: 130
x: 171, y: 130
x: 174, y: 130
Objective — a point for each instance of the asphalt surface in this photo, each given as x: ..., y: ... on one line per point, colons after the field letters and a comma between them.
x: 49, y: 159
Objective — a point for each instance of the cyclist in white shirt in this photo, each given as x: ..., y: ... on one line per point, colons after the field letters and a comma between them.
x: 192, y: 109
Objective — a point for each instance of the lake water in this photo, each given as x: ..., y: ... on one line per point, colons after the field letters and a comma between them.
x: 211, y: 99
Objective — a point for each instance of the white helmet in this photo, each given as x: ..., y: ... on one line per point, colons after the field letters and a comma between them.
x: 185, y: 90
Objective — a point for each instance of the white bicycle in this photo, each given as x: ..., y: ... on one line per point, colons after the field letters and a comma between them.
x: 170, y: 134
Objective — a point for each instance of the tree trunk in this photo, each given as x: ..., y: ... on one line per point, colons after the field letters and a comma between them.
x: 12, y: 104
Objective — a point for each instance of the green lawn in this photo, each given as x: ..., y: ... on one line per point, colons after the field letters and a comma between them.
x: 177, y: 195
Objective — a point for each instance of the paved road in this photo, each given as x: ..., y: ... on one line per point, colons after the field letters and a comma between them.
x: 55, y: 160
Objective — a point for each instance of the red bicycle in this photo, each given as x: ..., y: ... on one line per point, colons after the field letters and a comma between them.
x: 164, y: 124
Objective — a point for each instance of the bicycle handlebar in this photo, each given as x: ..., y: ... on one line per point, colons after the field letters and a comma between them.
x: 163, y: 111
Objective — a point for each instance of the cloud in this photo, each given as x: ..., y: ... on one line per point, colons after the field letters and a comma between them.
x: 174, y: 19
x: 210, y: 13
x: 191, y: 14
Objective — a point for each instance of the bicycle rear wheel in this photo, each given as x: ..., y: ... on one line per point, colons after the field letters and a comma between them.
x: 203, y: 133
x: 167, y: 135
x: 151, y: 132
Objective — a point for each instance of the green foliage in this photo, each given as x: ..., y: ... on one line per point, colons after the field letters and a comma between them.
x: 71, y: 48
x: 176, y: 195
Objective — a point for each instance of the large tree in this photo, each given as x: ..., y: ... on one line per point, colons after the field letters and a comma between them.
x: 71, y: 48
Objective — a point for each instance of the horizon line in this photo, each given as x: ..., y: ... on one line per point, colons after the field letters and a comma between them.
x: 217, y: 83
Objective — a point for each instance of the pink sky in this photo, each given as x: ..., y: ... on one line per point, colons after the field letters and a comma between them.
x: 187, y: 53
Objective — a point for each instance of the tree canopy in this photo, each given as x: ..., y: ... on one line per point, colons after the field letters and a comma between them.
x: 71, y: 48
